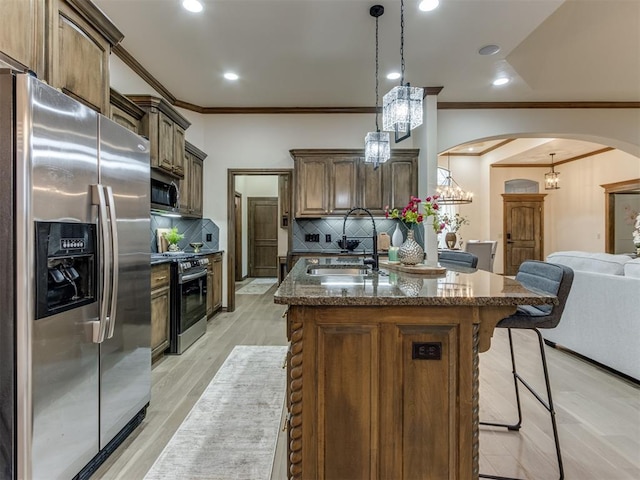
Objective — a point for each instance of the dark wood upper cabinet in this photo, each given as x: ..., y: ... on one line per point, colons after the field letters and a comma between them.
x: 330, y: 182
x: 22, y: 34
x: 165, y: 129
x: 66, y: 43
x: 191, y: 186
x: 125, y: 113
x: 343, y: 184
x: 78, y: 49
x: 400, y: 180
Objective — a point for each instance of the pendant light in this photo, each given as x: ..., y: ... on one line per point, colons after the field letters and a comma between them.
x: 377, y: 148
x: 450, y: 192
x: 551, y: 178
x: 402, y: 106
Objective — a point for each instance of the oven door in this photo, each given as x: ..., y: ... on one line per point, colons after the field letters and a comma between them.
x: 193, y: 298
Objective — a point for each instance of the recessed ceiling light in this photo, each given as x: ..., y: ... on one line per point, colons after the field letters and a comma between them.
x: 393, y: 76
x: 231, y: 76
x: 500, y: 81
x: 489, y: 50
x: 470, y: 149
x: 192, y: 5
x: 428, y: 5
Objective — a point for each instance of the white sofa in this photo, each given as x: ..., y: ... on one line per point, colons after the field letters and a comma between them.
x: 601, y: 320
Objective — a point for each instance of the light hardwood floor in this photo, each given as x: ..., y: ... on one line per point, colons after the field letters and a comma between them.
x: 598, y: 413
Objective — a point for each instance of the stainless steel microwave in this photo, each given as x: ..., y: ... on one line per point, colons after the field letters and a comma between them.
x: 165, y: 196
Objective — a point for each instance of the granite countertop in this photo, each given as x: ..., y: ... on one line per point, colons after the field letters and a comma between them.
x: 456, y: 286
x: 158, y: 259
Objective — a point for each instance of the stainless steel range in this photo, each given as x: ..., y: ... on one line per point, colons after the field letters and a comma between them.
x: 188, y: 300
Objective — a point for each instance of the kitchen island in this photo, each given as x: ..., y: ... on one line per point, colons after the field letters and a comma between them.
x: 383, y: 368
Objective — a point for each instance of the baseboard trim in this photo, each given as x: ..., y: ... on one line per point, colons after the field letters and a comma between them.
x: 615, y: 372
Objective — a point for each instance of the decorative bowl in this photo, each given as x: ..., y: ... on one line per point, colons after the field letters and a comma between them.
x: 196, y: 246
x: 351, y: 244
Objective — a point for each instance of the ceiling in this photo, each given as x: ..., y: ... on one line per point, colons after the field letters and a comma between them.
x: 321, y: 53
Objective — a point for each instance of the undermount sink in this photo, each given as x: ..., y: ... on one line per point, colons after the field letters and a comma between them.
x: 338, y: 270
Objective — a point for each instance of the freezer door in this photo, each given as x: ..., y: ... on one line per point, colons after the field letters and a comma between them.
x: 125, y: 357
x: 56, y: 161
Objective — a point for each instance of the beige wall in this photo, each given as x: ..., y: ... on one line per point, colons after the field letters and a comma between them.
x: 264, y: 141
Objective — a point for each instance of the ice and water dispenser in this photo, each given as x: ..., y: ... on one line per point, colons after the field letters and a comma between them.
x: 66, y: 266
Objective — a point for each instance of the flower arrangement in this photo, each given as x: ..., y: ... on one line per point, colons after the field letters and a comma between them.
x: 432, y: 209
x: 636, y: 232
x: 454, y: 222
x: 408, y: 215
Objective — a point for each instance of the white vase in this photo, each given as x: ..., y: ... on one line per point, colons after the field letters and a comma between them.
x: 396, y: 238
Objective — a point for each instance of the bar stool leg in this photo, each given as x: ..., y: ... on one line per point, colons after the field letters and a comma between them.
x: 548, y: 405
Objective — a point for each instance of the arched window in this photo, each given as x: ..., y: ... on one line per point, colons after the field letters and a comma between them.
x: 521, y: 185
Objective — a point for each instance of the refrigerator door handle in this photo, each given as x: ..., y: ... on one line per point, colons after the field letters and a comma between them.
x: 98, y: 198
x: 114, y: 260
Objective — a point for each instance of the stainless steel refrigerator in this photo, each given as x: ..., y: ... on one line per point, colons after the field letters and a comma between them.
x: 75, y: 357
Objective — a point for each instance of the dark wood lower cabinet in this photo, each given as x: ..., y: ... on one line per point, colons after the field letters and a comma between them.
x: 160, y: 309
x: 214, y: 284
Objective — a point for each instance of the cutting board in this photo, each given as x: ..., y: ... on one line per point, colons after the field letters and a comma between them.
x: 383, y: 241
x: 163, y: 245
x: 415, y: 269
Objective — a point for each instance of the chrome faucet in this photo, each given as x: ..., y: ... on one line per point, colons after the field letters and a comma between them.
x: 373, y: 261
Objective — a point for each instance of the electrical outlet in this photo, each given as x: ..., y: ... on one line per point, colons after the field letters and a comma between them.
x: 209, y: 237
x: 327, y: 237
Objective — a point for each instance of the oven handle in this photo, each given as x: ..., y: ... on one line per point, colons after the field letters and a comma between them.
x: 115, y: 261
x: 97, y: 198
x: 193, y: 276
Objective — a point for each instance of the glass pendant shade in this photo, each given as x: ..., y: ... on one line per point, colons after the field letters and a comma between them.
x: 402, y: 109
x: 551, y: 180
x: 377, y: 148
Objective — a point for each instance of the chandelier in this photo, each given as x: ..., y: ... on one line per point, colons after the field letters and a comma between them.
x: 551, y: 178
x: 377, y: 148
x: 402, y: 106
x: 450, y: 192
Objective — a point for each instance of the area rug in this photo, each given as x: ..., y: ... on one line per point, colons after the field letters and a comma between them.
x: 231, y: 432
x: 258, y: 286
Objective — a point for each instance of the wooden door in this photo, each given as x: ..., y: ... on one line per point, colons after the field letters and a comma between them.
x: 238, y: 236
x: 523, y: 229
x: 263, y: 236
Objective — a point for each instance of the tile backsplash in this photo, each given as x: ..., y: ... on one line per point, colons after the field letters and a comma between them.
x: 355, y: 227
x: 194, y: 230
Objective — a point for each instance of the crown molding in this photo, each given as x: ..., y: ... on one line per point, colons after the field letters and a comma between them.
x: 132, y: 63
x: 555, y: 164
x: 515, y: 105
